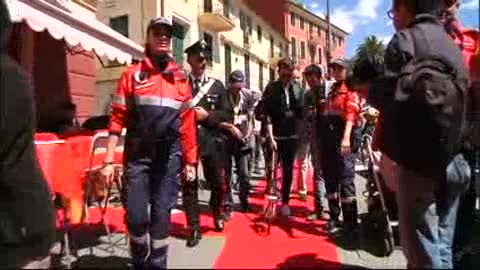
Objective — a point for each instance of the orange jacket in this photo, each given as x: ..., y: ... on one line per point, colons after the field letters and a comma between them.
x: 343, y: 102
x: 165, y: 99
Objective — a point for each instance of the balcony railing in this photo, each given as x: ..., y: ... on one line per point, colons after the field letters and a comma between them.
x: 216, y: 19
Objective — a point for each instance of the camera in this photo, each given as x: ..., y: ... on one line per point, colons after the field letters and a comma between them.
x: 245, y: 148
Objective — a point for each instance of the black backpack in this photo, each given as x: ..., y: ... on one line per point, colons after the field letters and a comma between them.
x: 428, y: 111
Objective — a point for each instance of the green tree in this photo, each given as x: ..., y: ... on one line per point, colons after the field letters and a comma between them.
x: 370, y: 46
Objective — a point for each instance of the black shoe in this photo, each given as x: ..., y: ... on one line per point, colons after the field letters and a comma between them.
x: 219, y: 224
x: 244, y: 208
x: 227, y: 214
x: 333, y: 226
x: 194, y: 238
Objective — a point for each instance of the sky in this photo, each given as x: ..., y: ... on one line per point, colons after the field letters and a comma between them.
x: 362, y: 18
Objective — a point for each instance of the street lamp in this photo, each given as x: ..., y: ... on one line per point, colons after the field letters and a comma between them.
x: 329, y: 35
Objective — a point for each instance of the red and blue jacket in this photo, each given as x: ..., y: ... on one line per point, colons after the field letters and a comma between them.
x: 160, y: 101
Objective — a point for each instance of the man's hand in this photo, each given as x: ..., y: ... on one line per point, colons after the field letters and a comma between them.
x: 107, y: 172
x: 232, y: 129
x: 200, y: 114
x: 346, y: 148
x: 273, y: 144
x: 236, y: 132
x: 189, y: 173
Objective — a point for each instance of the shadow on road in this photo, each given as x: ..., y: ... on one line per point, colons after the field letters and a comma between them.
x: 95, y: 262
x: 311, y: 260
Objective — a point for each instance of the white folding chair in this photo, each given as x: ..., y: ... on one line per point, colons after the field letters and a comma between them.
x: 99, y: 148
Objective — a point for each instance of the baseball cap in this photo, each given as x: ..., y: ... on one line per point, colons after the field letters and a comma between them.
x: 160, y: 21
x: 339, y: 62
x: 236, y: 79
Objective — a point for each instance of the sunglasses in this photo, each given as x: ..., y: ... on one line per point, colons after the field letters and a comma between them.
x: 390, y: 14
x: 161, y: 32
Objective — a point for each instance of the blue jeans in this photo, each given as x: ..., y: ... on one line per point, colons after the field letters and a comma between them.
x: 427, y: 214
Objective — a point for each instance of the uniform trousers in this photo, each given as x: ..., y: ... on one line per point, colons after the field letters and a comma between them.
x: 152, y: 175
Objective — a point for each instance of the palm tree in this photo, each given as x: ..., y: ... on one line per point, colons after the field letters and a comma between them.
x: 370, y: 46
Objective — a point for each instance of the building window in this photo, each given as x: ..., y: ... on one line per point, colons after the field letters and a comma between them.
x: 292, y: 18
x: 226, y: 8
x: 209, y: 40
x: 272, y: 44
x: 302, y: 49
x: 302, y: 23
x: 260, y: 76
x: 228, y: 61
x: 207, y: 6
x: 320, y: 54
x: 272, y: 74
x: 246, y: 58
x: 319, y: 31
x: 120, y: 24
x: 178, y: 39
x: 259, y: 33
x: 294, y: 48
x: 250, y: 26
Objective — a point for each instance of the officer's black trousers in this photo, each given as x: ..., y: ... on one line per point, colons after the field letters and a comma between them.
x: 152, y: 180
x: 190, y: 203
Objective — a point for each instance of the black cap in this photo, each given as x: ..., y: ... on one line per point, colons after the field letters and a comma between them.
x: 160, y: 21
x: 286, y: 62
x: 339, y: 62
x: 236, y: 77
x: 313, y: 69
x: 200, y: 47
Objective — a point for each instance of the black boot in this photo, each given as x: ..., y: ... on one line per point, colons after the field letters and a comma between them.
x: 227, y: 213
x: 244, y: 207
x: 218, y: 220
x: 333, y: 224
x: 139, y: 249
x: 194, y: 237
x: 350, y: 217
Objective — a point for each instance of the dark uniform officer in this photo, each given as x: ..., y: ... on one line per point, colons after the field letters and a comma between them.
x: 336, y: 123
x: 153, y: 102
x: 209, y: 100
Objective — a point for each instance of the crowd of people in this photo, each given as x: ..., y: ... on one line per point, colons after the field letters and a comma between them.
x: 418, y: 102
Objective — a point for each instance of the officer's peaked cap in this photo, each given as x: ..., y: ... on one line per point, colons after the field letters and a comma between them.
x: 200, y: 47
x: 236, y: 76
x: 313, y: 69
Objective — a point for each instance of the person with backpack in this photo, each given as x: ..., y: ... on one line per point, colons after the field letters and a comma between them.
x: 466, y: 40
x: 423, y: 99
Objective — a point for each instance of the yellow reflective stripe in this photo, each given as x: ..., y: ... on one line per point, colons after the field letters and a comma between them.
x: 139, y: 239
x: 119, y: 100
x: 159, y: 243
x: 187, y: 104
x: 158, y: 101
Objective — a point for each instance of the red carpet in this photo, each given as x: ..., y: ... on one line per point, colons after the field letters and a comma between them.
x: 293, y: 242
